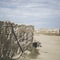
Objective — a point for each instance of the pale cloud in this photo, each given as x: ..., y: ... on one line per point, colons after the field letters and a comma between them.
x: 36, y: 12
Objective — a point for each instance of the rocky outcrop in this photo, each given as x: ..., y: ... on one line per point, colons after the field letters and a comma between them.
x: 14, y: 38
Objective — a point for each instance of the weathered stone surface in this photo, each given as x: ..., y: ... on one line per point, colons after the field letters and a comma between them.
x: 11, y: 35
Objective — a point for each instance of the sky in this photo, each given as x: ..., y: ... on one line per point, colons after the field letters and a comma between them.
x: 40, y: 13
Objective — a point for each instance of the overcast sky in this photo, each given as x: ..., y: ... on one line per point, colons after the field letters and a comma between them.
x: 40, y: 13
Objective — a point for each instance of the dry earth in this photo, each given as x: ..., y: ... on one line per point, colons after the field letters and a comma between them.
x: 50, y: 49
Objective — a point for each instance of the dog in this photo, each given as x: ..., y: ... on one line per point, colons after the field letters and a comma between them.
x: 36, y: 44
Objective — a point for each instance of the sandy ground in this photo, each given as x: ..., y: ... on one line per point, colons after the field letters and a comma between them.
x: 50, y: 49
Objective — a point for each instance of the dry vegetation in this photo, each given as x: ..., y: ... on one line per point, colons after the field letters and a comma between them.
x: 48, y: 31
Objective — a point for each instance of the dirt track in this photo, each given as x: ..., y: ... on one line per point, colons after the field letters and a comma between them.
x: 50, y: 49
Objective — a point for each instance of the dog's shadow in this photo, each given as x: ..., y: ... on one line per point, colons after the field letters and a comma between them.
x: 34, y: 53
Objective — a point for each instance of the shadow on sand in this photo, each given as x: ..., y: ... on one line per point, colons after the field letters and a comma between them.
x: 34, y: 53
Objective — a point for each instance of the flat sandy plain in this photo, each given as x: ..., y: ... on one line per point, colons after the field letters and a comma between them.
x: 50, y: 49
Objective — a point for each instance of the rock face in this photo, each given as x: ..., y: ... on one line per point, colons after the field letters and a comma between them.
x: 14, y: 38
